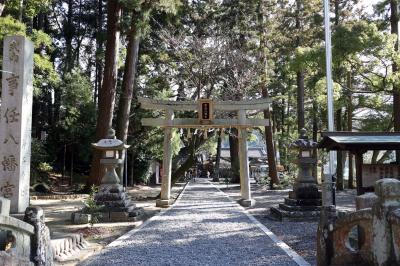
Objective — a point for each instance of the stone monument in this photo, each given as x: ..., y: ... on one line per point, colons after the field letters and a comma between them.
x: 111, y: 195
x: 15, y: 121
x: 304, y: 202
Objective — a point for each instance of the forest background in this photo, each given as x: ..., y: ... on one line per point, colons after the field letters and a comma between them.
x: 93, y: 58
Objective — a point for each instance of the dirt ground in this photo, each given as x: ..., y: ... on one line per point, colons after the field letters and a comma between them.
x: 58, y: 215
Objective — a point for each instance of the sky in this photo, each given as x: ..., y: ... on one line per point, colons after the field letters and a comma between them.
x: 369, y: 4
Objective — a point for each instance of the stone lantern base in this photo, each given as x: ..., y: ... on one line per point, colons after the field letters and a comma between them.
x: 299, y: 206
x: 117, y: 206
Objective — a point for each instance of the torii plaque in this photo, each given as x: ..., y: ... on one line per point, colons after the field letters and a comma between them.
x: 15, y: 121
x: 206, y: 119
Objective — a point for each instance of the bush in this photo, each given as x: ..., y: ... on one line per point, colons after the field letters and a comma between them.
x: 225, y: 174
x: 91, y: 207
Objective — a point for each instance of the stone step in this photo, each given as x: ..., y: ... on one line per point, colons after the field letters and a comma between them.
x: 298, y: 216
x: 303, y: 202
x: 286, y: 207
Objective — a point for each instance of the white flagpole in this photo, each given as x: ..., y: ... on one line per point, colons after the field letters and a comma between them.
x: 328, y: 198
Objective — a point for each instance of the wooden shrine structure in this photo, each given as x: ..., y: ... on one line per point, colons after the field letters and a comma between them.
x: 358, y: 143
x: 206, y: 109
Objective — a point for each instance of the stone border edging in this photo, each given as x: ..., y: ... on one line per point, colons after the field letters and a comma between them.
x: 122, y: 238
x: 288, y: 250
x: 57, y: 197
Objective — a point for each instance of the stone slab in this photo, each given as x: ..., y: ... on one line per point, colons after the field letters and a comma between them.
x: 4, y: 206
x: 247, y: 202
x: 283, y: 215
x: 163, y: 203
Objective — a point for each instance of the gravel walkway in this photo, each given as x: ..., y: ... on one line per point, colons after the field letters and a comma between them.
x: 203, y: 228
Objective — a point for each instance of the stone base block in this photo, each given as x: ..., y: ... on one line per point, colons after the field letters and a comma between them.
x: 4, y: 206
x: 366, y: 200
x: 80, y: 218
x: 119, y: 216
x: 247, y: 202
x: 8, y: 259
x: 283, y: 215
x: 163, y: 203
x: 305, y: 193
x: 303, y: 202
x: 286, y: 207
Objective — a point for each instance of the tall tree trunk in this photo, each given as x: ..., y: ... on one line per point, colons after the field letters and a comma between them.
x: 69, y: 35
x: 300, y: 73
x: 315, y: 138
x: 300, y: 100
x: 218, y: 157
x: 99, y: 51
x: 234, y: 154
x: 339, y: 166
x: 350, y: 128
x: 2, y: 5
x: 128, y: 82
x: 394, y: 25
x: 107, y: 91
x: 272, y: 172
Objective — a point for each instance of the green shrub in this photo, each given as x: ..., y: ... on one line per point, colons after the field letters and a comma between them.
x: 91, y: 207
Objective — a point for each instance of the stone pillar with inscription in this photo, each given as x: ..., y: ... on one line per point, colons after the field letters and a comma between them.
x: 15, y: 121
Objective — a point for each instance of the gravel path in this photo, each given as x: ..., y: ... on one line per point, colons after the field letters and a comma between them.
x: 300, y: 236
x: 203, y: 228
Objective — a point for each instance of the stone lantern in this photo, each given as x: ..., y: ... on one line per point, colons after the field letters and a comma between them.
x: 305, y: 186
x: 111, y: 148
x: 304, y: 202
x: 111, y: 194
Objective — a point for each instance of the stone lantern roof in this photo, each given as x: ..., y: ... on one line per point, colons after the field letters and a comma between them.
x: 303, y: 143
x: 110, y: 143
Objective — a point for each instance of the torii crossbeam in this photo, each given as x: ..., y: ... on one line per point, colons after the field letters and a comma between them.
x: 205, y: 108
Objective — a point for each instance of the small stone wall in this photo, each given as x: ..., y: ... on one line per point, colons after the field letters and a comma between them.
x: 369, y: 236
x: 344, y: 253
x: 15, y: 238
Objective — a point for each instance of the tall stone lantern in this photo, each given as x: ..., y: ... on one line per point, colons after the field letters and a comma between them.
x: 111, y: 194
x: 304, y: 202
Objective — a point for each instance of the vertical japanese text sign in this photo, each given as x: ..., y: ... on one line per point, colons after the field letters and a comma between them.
x: 15, y: 121
x: 206, y: 111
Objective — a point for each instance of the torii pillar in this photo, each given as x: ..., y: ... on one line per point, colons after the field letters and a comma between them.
x: 245, y: 190
x: 165, y: 200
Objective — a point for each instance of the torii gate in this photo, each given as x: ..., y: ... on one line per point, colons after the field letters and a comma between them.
x: 205, y: 108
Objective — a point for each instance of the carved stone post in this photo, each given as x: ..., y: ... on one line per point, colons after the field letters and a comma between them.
x: 41, y: 251
x: 388, y: 192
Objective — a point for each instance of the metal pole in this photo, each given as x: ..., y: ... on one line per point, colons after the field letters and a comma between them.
x: 328, y: 199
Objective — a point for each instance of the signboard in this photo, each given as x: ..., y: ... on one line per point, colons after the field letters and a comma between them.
x: 373, y: 172
x: 206, y: 111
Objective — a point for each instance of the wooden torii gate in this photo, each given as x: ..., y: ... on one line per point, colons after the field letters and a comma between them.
x: 205, y: 108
